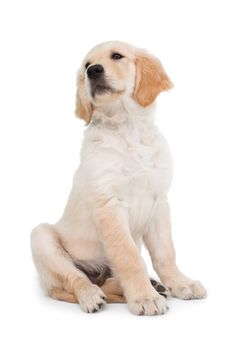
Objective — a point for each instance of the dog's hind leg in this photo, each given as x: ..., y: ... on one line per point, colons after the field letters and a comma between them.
x: 111, y: 289
x: 61, y: 294
x: 59, y: 276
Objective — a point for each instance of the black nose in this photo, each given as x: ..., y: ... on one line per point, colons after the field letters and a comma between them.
x: 94, y: 72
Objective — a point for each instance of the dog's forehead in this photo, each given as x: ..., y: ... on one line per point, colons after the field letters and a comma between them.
x: 105, y: 49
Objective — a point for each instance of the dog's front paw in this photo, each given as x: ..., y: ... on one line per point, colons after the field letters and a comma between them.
x: 148, y: 305
x: 188, y: 290
x: 91, y: 298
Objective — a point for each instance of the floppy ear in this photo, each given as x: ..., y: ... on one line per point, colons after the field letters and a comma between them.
x: 83, y: 106
x: 151, y: 79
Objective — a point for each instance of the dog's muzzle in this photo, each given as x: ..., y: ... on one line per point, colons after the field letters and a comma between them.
x: 97, y: 80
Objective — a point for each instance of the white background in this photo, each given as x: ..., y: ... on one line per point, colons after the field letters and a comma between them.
x: 42, y: 44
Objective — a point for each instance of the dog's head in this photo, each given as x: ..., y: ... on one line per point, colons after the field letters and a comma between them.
x: 114, y: 70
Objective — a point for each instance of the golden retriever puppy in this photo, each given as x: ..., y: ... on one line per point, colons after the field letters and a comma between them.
x: 119, y: 194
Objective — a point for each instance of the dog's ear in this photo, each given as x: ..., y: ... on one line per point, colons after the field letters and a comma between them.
x: 151, y: 79
x: 83, y: 106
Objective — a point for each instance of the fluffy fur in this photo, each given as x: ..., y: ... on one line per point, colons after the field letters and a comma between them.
x: 119, y: 194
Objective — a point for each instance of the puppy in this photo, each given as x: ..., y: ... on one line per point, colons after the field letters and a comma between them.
x: 119, y: 195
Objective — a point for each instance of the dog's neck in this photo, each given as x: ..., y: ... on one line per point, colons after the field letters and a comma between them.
x: 120, y: 112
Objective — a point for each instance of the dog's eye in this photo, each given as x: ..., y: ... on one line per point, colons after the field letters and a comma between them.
x: 116, y: 56
x: 87, y: 65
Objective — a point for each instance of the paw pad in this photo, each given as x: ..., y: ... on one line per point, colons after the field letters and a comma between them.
x: 160, y: 288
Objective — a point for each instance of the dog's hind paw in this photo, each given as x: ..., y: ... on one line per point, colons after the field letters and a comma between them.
x: 160, y: 288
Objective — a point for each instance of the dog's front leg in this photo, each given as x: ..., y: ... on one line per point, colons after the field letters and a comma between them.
x: 158, y: 241
x: 129, y: 266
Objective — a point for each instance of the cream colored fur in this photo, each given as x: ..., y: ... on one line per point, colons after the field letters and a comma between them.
x: 119, y: 194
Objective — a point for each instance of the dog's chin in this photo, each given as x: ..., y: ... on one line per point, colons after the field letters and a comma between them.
x: 104, y: 94
x: 101, y: 89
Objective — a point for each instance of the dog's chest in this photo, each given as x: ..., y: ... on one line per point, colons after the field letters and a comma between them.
x: 133, y: 159
x: 146, y: 174
x: 131, y: 164
x: 146, y: 163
